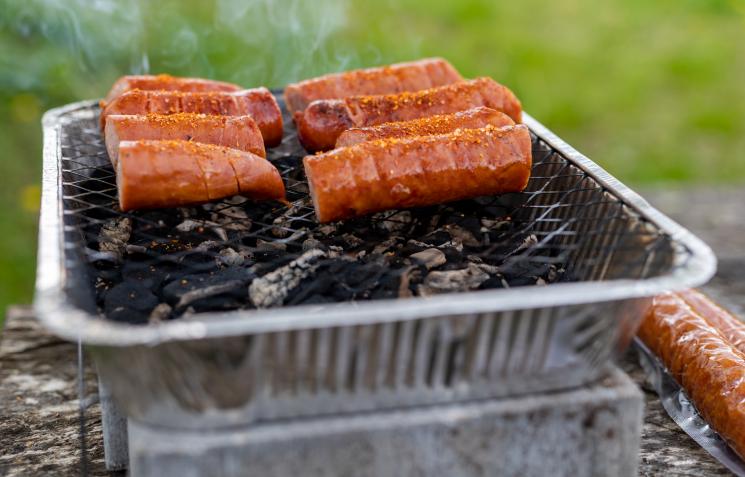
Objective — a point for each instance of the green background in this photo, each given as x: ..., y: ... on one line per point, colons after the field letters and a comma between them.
x: 654, y: 91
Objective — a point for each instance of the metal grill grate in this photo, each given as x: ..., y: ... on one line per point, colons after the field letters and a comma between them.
x: 564, y: 227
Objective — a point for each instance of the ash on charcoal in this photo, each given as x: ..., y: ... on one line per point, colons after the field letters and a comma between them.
x: 282, y: 224
x: 462, y: 236
x: 160, y: 313
x: 190, y: 225
x: 469, y: 278
x: 273, y: 288
x: 430, y: 258
x: 114, y: 235
x: 230, y: 257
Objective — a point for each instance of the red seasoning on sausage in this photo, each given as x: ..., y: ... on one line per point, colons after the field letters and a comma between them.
x: 439, y: 124
x: 397, y: 78
x: 166, y: 83
x: 155, y: 174
x: 702, y: 361
x: 238, y: 132
x: 320, y: 125
x: 259, y: 103
x: 418, y: 171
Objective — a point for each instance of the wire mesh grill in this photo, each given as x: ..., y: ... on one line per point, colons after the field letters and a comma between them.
x: 564, y: 227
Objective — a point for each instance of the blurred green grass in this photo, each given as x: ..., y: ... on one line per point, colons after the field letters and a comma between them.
x: 653, y: 91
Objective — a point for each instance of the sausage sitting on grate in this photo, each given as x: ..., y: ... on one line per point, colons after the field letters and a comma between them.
x: 397, y: 78
x: 702, y: 360
x: 418, y: 171
x: 320, y: 125
x: 155, y: 174
x: 439, y: 124
x: 239, y: 132
x: 259, y: 103
x: 166, y: 83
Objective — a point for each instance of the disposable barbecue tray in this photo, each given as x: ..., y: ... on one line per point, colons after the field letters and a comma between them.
x: 238, y: 312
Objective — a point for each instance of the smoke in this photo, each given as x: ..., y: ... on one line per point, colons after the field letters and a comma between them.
x: 251, y: 42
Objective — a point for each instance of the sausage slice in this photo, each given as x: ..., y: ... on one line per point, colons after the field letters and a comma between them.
x: 439, y: 124
x: 410, y: 76
x: 155, y: 174
x: 259, y: 103
x: 238, y: 132
x: 418, y: 171
x: 166, y: 83
x: 320, y: 125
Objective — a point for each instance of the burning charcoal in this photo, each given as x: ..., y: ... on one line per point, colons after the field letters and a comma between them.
x: 269, y: 250
x: 160, y: 313
x: 496, y: 225
x: 272, y: 289
x: 311, y: 243
x: 385, y: 245
x: 129, y: 302
x: 453, y: 280
x: 229, y: 257
x: 430, y: 258
x: 209, y: 291
x: 190, y: 225
x: 114, y: 235
x: 237, y: 277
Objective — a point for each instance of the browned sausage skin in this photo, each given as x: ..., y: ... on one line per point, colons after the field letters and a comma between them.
x: 155, y: 174
x: 396, y: 78
x: 324, y: 120
x: 259, y: 103
x: 418, y: 171
x: 238, y: 132
x: 439, y: 124
x: 704, y: 363
x: 166, y: 82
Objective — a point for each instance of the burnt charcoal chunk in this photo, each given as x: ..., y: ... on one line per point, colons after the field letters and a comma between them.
x: 239, y: 277
x: 129, y: 302
x: 149, y: 276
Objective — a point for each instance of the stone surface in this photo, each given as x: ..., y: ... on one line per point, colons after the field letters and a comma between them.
x: 582, y: 432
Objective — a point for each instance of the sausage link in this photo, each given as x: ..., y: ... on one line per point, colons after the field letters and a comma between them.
x: 166, y: 83
x: 238, y: 132
x: 259, y: 103
x: 439, y: 124
x: 324, y: 120
x: 397, y: 78
x: 155, y: 174
x: 418, y: 171
x: 709, y: 368
x: 728, y: 325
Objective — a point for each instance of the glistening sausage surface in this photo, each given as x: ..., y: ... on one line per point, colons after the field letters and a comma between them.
x: 239, y: 132
x: 704, y: 363
x: 728, y: 325
x: 321, y: 124
x: 439, y: 124
x: 166, y: 83
x: 410, y: 76
x: 418, y: 171
x: 155, y: 174
x: 259, y: 103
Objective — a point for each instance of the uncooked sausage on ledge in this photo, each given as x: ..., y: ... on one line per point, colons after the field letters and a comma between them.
x: 164, y: 82
x: 321, y: 124
x: 239, y: 132
x: 418, y: 171
x: 155, y: 174
x: 439, y: 124
x: 397, y: 78
x: 702, y: 361
x: 259, y: 103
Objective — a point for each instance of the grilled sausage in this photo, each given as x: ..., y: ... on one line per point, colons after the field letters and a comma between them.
x: 439, y: 124
x: 154, y: 174
x: 729, y: 326
x: 418, y: 171
x: 258, y: 103
x: 704, y: 363
x: 396, y: 78
x: 323, y: 121
x: 166, y: 83
x: 239, y: 132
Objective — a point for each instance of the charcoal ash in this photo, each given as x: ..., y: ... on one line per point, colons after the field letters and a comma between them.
x: 430, y: 258
x: 114, y: 237
x: 273, y: 288
x: 465, y: 279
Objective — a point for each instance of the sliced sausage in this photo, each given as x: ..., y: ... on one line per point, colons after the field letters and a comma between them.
x: 166, y: 83
x: 320, y: 125
x: 702, y: 361
x: 259, y: 103
x: 397, y: 78
x: 439, y: 124
x: 418, y: 171
x: 239, y: 132
x: 155, y: 174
